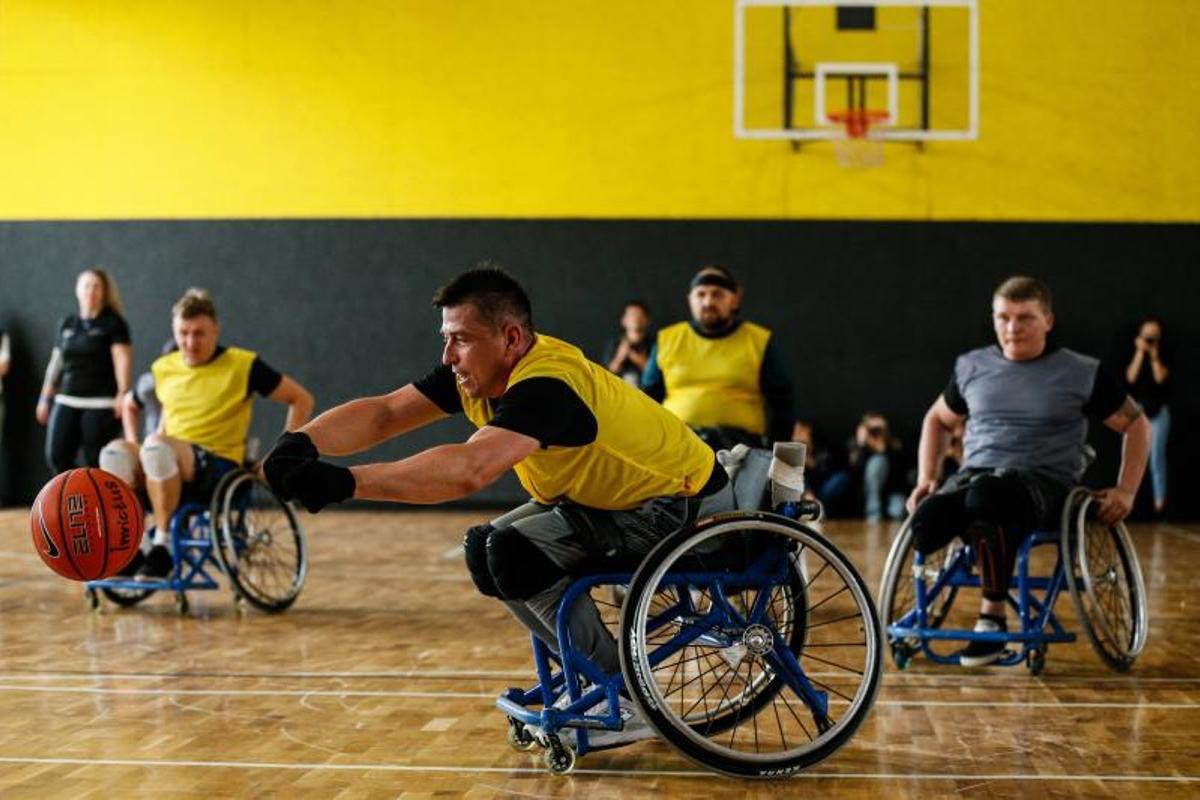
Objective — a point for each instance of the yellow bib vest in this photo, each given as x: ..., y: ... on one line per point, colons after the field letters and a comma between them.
x: 714, y: 382
x: 640, y: 451
x: 208, y: 405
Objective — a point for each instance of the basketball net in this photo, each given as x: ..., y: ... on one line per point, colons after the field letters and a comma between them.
x: 853, y: 146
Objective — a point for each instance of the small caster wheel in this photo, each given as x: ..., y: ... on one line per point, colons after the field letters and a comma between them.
x: 239, y: 605
x: 181, y: 603
x: 1035, y: 660
x: 520, y: 739
x: 901, y: 656
x: 559, y: 760
x: 93, y: 600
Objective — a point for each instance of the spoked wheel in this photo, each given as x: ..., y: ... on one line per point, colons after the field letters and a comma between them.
x: 898, y: 595
x: 751, y: 645
x: 259, y: 542
x: 1105, y: 581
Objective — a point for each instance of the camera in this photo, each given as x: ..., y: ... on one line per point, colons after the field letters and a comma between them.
x: 1150, y: 339
x: 876, y: 430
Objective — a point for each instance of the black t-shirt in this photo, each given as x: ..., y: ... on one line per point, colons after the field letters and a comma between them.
x: 86, y: 346
x: 546, y: 409
x: 628, y: 370
x: 1149, y: 392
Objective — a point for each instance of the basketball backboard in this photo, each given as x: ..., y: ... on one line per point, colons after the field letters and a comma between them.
x: 802, y: 67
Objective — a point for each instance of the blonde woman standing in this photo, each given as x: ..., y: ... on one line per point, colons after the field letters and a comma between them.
x: 89, y: 372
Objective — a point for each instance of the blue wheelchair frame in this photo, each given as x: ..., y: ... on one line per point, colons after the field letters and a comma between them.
x: 573, y: 665
x: 1116, y: 632
x: 1039, y: 624
x: 192, y: 553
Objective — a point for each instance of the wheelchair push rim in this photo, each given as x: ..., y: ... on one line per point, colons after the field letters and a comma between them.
x: 1106, y: 582
x: 897, y: 591
x: 259, y: 542
x: 789, y: 655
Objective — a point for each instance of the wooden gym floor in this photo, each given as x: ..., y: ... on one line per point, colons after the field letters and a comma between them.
x: 380, y: 682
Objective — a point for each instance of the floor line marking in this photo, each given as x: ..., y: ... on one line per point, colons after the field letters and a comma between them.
x: 489, y: 695
x: 122, y: 762
x: 942, y: 681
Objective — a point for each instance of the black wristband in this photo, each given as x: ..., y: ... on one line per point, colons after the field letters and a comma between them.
x: 291, y: 451
x: 316, y: 484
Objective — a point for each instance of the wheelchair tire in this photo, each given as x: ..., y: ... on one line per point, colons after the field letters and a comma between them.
x: 897, y: 597
x: 808, y: 605
x: 1105, y: 582
x: 259, y: 541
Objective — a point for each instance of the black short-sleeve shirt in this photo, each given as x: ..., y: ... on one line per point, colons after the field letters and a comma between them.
x: 546, y: 409
x: 86, y: 346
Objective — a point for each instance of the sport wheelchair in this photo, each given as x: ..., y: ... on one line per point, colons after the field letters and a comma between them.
x: 748, y: 642
x: 1096, y: 564
x: 245, y: 531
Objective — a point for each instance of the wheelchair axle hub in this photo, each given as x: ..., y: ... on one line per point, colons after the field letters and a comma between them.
x: 758, y: 639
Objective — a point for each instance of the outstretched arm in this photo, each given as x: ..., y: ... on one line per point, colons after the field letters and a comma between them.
x: 448, y: 472
x: 361, y: 424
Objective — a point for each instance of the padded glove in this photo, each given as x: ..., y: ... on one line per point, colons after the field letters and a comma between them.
x: 291, y: 451
x: 316, y: 484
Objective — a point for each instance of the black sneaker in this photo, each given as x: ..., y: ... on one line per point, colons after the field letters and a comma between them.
x: 157, y: 566
x: 135, y: 563
x: 980, y: 653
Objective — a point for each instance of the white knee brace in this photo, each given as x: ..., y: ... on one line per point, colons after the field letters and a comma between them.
x: 159, y: 461
x: 116, y: 458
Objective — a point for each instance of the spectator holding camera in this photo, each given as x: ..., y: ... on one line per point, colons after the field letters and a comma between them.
x: 1149, y: 379
x: 873, y: 483
x: 875, y: 454
x: 627, y: 354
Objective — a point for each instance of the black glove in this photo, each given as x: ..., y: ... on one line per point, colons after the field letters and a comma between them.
x: 291, y: 451
x: 316, y: 484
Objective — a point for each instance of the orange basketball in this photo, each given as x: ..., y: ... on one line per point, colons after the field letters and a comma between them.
x: 86, y: 524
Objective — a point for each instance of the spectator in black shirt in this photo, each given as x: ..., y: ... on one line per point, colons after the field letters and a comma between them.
x: 88, y: 374
x: 627, y: 354
x: 1149, y: 382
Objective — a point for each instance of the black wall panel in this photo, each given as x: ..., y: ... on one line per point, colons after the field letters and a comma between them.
x: 869, y: 314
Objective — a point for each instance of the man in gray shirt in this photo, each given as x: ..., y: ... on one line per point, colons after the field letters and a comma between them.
x: 1026, y: 406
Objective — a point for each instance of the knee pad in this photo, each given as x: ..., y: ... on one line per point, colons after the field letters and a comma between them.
x: 475, y: 554
x: 115, y: 457
x: 519, y: 570
x: 159, y: 461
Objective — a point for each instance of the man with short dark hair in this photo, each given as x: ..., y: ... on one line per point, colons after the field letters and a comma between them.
x: 721, y: 375
x: 1025, y: 404
x: 609, y: 471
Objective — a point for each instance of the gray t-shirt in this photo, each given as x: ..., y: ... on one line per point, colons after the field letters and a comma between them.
x: 1031, y: 414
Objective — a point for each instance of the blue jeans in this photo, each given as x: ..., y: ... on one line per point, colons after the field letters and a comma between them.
x: 1160, y: 428
x: 875, y: 480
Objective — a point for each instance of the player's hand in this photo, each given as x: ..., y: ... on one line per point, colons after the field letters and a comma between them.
x: 922, y: 490
x: 1113, y: 505
x: 316, y: 484
x: 43, y: 411
x: 293, y: 450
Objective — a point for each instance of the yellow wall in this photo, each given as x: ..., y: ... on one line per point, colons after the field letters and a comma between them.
x: 551, y: 108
